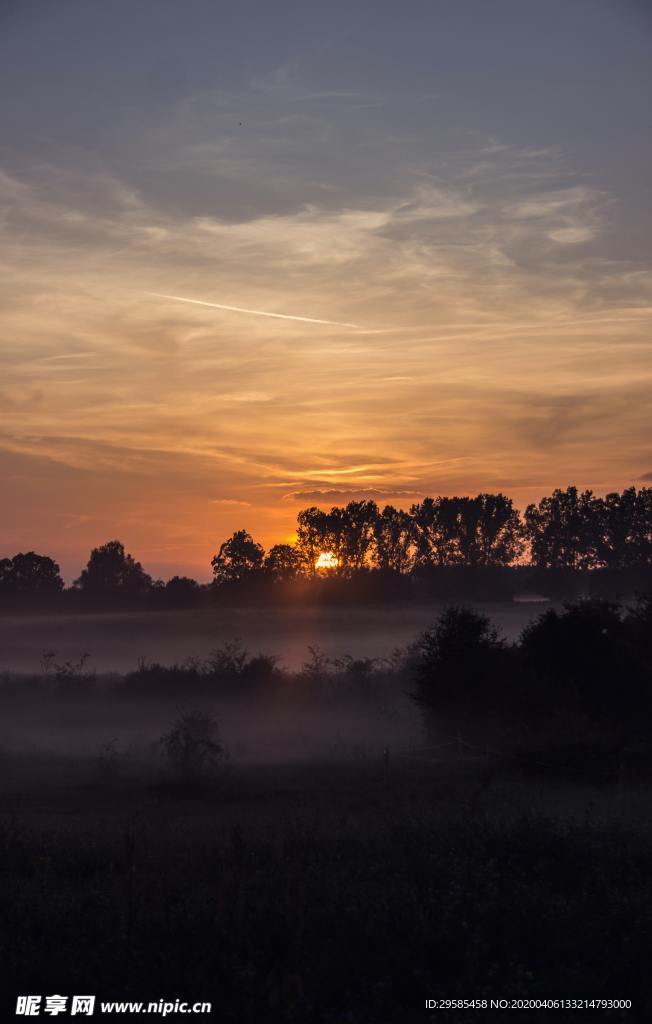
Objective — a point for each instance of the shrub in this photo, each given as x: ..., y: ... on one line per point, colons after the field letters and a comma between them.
x: 192, y: 747
x: 460, y: 661
x: 582, y: 658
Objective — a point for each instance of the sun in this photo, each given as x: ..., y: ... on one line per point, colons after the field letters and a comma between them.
x: 327, y: 560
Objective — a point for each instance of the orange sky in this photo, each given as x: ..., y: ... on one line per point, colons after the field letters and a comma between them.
x: 502, y: 337
x: 169, y: 425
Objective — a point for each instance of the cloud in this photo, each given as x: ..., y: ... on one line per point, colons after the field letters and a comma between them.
x: 230, y: 501
x: 330, y: 496
x: 547, y: 204
x: 430, y: 202
x: 571, y: 235
x: 11, y: 188
x: 482, y: 314
x: 254, y: 312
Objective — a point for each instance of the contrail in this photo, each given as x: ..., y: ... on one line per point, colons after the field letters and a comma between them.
x: 255, y: 312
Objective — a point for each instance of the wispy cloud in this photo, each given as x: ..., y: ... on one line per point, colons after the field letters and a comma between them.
x: 334, y: 495
x: 235, y: 502
x: 254, y: 312
x: 391, y: 331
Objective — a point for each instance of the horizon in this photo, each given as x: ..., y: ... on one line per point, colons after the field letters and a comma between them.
x: 200, y: 572
x: 253, y: 257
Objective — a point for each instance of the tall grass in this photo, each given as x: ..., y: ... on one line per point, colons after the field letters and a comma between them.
x: 310, y: 898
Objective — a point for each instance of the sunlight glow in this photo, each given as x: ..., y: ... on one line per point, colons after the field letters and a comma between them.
x: 327, y: 560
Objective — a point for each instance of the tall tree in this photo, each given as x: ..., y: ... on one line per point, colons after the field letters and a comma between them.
x: 112, y: 574
x: 625, y: 537
x: 481, y: 531
x: 393, y: 539
x: 434, y: 531
x: 28, y: 576
x: 564, y: 530
x: 239, y: 558
x: 489, y: 530
x: 283, y: 563
x: 314, y: 533
x: 358, y: 521
x: 346, y: 532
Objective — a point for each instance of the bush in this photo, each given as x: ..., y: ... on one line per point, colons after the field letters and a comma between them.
x: 232, y: 668
x: 582, y: 658
x: 192, y: 747
x: 461, y: 661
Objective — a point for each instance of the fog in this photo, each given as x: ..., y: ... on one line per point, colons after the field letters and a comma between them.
x: 251, y: 734
x: 294, y: 717
x: 116, y: 641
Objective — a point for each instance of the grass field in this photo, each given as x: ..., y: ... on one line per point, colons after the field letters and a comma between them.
x: 323, y: 891
x: 316, y: 846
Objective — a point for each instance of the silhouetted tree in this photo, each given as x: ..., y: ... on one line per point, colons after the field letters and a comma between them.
x: 239, y: 558
x: 335, y: 538
x: 459, y: 661
x: 393, y: 534
x: 28, y: 577
x: 564, y: 530
x: 314, y: 534
x: 625, y: 532
x: 581, y: 658
x: 356, y: 534
x: 111, y: 575
x: 182, y: 592
x: 434, y: 532
x: 192, y: 747
x: 490, y: 531
x: 474, y: 532
x: 347, y: 532
x: 283, y: 562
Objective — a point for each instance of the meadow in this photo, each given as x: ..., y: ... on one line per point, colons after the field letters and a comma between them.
x: 327, y: 891
x: 341, y: 841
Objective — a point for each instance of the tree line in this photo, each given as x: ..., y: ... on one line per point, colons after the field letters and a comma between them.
x: 567, y: 530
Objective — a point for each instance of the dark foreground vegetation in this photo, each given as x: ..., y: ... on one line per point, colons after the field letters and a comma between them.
x: 330, y: 893
x: 467, y: 820
x: 444, y: 548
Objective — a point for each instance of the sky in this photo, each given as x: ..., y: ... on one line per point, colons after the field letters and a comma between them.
x: 445, y: 203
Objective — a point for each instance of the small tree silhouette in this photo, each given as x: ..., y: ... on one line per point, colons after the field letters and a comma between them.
x: 228, y: 661
x: 192, y: 747
x: 459, y: 661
